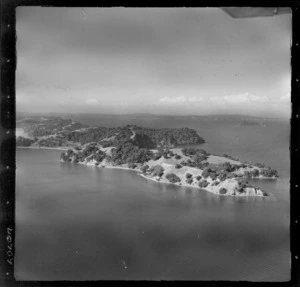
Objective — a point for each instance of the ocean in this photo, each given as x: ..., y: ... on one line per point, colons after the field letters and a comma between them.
x: 76, y: 222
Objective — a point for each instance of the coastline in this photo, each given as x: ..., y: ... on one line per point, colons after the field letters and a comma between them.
x: 181, y: 184
x: 207, y: 190
x: 229, y: 185
x: 52, y: 148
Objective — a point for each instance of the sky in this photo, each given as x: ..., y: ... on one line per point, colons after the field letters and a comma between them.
x: 179, y: 61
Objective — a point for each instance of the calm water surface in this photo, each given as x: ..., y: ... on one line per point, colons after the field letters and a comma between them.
x: 84, y: 223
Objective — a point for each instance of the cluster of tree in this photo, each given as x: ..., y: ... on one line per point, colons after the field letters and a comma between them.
x: 194, y: 151
x: 189, y: 163
x: 98, y: 134
x: 130, y: 153
x: 21, y: 141
x: 51, y: 142
x: 157, y: 170
x: 252, y: 173
x: 178, y: 157
x: 144, y: 168
x: 215, y: 183
x: 166, y: 153
x: 90, y: 152
x: 167, y: 137
x: 268, y: 172
x: 42, y: 126
x: 242, y: 184
x: 131, y: 165
x: 173, y: 178
x: 217, y: 172
x: 77, y: 132
x: 189, y: 178
x: 222, y: 190
x: 203, y: 183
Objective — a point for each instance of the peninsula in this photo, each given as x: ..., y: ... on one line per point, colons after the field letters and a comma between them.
x: 163, y: 155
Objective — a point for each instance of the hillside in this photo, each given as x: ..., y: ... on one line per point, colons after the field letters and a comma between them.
x: 192, y: 167
x: 55, y: 131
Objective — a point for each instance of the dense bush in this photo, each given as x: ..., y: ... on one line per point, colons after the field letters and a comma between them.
x: 194, y: 151
x: 156, y: 156
x: 222, y: 176
x: 203, y: 183
x: 190, y: 163
x: 21, y: 141
x: 157, y: 170
x: 202, y: 165
x: 222, y: 190
x: 171, y: 177
x: 169, y: 137
x: 189, y: 180
x: 242, y: 184
x: 268, y: 172
x: 215, y: 183
x: 206, y: 172
x: 255, y: 173
x: 177, y: 156
x: 144, y: 168
x: 131, y: 165
x: 171, y: 153
x: 130, y: 153
x: 213, y: 175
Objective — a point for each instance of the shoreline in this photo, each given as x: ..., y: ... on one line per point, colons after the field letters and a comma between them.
x: 91, y: 164
x: 52, y: 148
x: 193, y: 186
x: 212, y: 189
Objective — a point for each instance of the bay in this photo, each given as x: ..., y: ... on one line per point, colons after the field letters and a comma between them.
x: 76, y: 222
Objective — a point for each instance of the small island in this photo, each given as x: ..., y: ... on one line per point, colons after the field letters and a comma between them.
x: 162, y: 155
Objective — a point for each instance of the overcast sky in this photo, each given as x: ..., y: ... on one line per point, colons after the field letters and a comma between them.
x: 160, y: 61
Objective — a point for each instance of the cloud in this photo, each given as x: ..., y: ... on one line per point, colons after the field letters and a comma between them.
x: 196, y: 99
x: 240, y: 98
x: 181, y: 99
x: 92, y: 101
x: 285, y: 98
x: 174, y: 100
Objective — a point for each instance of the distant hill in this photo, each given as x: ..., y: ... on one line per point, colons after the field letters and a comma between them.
x: 56, y: 131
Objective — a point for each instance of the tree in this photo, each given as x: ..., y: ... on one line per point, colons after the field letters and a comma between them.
x: 189, y: 180
x: 21, y: 141
x: 198, y: 158
x: 63, y: 157
x: 255, y: 172
x: 188, y: 175
x: 144, y: 168
x: 222, y: 190
x: 158, y: 170
x: 171, y: 153
x: 213, y: 176
x: 206, y: 172
x: 177, y: 156
x: 222, y: 176
x: 203, y: 183
x: 156, y: 156
x: 215, y: 183
x: 173, y: 178
x: 198, y: 177
x: 178, y: 166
